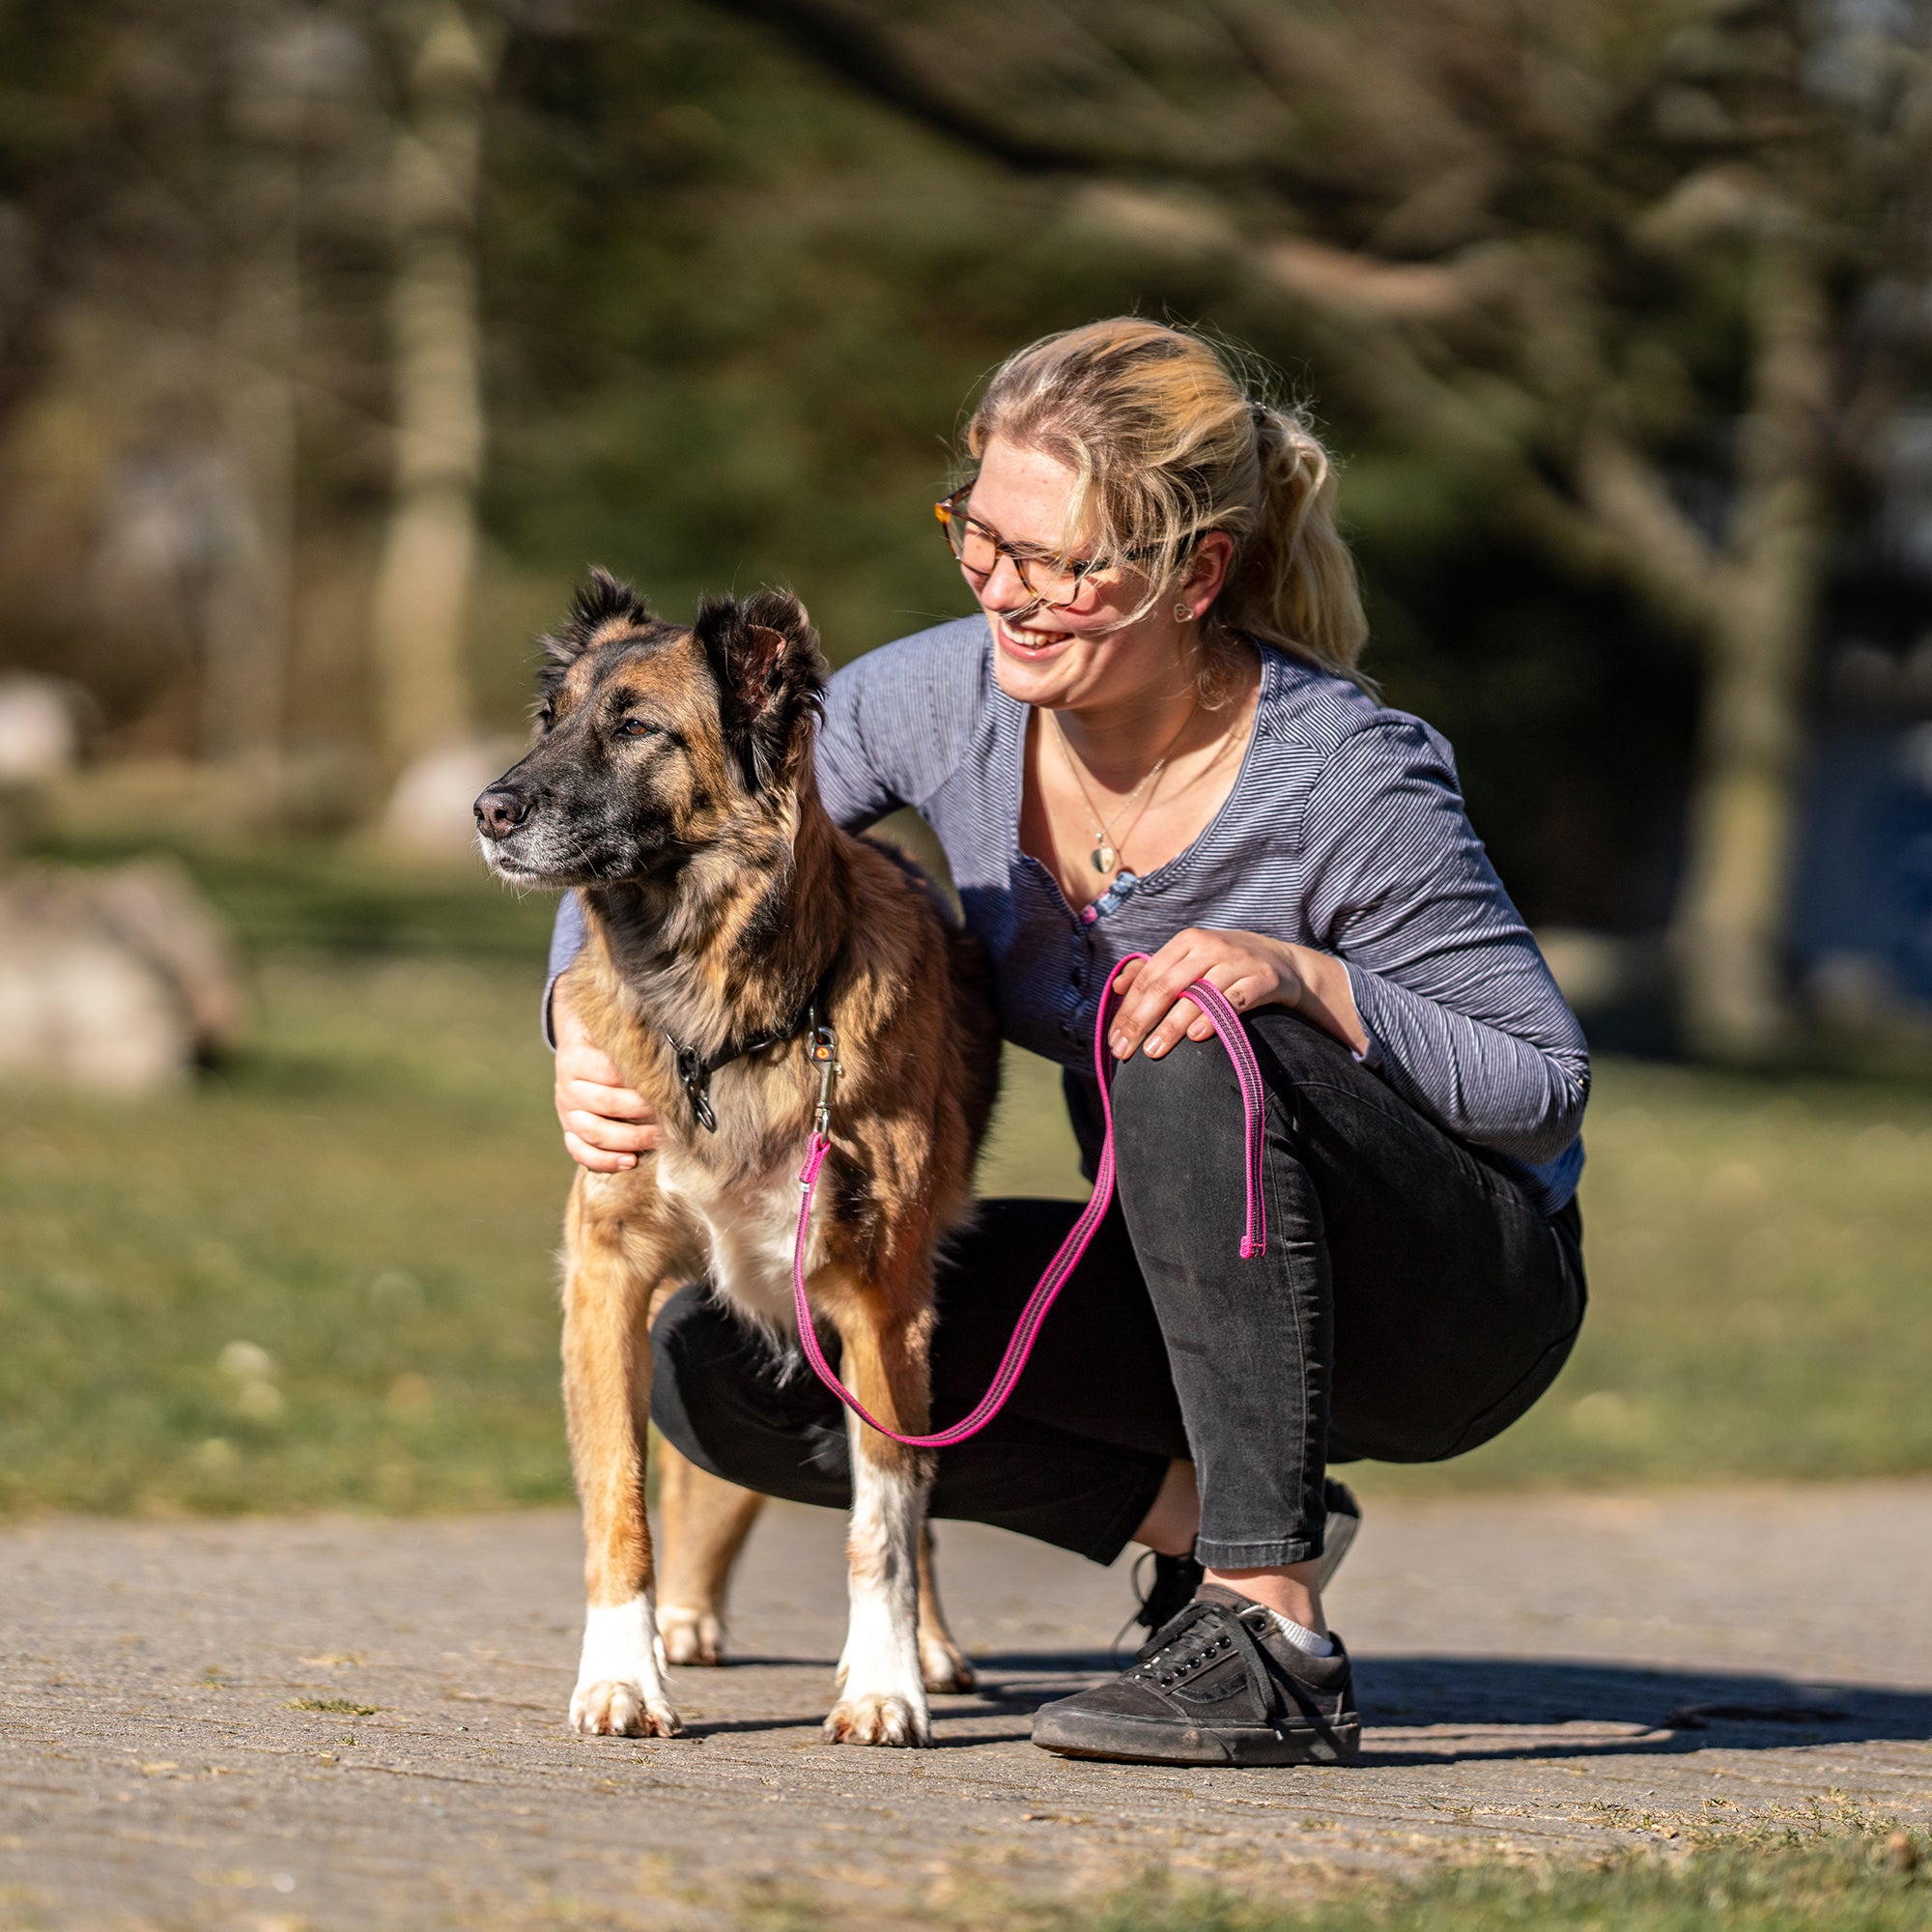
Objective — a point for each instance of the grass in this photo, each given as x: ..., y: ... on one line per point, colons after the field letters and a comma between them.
x: 323, y: 1276
x: 1846, y: 1885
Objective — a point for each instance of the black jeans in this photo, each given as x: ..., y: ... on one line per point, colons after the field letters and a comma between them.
x: 1411, y: 1305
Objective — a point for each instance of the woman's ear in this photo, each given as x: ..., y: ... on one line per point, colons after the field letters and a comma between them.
x: 1208, y: 569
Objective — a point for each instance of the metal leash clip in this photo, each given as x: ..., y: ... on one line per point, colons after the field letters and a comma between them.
x: 824, y: 1051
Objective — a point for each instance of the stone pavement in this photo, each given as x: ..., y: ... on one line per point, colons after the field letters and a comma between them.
x: 339, y: 1722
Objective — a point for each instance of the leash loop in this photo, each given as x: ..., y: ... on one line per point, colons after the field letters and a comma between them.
x: 1227, y: 1025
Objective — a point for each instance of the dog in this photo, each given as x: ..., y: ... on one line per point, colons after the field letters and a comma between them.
x: 745, y: 962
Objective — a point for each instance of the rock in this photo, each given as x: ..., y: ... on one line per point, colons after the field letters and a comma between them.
x: 117, y: 980
x: 39, y: 728
x: 431, y: 814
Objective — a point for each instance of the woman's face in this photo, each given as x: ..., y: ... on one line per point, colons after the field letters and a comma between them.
x: 1088, y: 655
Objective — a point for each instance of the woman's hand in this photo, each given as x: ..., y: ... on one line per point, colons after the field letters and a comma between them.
x: 1248, y: 969
x: 605, y: 1126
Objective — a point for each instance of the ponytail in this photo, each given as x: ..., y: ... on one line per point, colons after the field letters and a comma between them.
x: 1166, y: 446
x: 1293, y: 581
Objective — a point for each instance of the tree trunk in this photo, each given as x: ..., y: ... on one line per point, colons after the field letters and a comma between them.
x: 423, y: 577
x: 1733, y: 906
x: 249, y: 611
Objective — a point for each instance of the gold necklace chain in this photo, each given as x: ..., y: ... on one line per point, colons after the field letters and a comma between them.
x: 1106, y: 852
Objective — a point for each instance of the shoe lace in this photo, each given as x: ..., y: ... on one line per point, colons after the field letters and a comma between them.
x: 1174, y: 1583
x: 1197, y: 1632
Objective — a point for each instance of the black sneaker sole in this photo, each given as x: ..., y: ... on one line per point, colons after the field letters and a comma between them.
x: 1131, y: 1741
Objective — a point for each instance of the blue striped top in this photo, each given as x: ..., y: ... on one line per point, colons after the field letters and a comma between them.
x: 1345, y: 830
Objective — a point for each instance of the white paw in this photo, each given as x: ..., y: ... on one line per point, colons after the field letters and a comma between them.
x: 877, y: 1718
x: 944, y: 1671
x: 613, y: 1709
x: 690, y: 1637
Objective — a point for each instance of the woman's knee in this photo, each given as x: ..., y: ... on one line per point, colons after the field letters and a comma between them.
x: 1176, y: 1113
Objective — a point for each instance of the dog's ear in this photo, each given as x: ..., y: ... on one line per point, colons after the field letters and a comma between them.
x: 606, y: 607
x: 771, y: 678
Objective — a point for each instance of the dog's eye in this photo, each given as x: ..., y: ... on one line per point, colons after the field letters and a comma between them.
x: 639, y: 727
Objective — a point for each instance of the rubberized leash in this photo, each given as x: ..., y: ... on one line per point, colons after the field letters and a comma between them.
x: 1227, y: 1024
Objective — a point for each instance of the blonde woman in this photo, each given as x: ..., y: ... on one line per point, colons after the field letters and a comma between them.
x: 1153, y: 739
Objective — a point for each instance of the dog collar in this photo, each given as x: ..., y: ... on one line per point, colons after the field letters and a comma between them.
x: 694, y: 1070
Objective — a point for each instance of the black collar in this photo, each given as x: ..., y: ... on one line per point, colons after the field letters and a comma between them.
x: 695, y: 1071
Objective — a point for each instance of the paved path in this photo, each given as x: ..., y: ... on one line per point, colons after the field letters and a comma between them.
x: 1538, y: 1676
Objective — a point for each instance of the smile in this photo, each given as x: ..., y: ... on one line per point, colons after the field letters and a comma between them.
x: 1023, y: 640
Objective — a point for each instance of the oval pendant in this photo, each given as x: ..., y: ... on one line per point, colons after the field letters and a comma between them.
x: 1105, y: 856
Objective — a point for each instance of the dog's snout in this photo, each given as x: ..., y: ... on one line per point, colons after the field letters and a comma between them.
x: 501, y: 811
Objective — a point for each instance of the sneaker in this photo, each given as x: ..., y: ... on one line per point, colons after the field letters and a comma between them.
x: 1169, y: 1592
x: 1215, y: 1685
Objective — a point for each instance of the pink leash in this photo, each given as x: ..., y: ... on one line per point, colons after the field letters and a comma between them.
x: 1227, y: 1024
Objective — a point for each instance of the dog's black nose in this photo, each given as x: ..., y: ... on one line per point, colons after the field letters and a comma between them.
x: 499, y: 811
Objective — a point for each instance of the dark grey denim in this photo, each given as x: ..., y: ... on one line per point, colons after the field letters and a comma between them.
x: 1411, y: 1304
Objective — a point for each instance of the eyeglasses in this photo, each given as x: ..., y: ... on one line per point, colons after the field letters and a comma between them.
x: 1057, y: 581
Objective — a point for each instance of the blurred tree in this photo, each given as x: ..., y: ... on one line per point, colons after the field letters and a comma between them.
x: 429, y: 551
x: 1633, y: 270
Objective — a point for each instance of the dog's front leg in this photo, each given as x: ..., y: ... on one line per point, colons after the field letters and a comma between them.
x: 607, y: 1388
x: 882, y: 1686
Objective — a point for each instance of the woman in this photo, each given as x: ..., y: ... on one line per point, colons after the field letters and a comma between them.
x: 1154, y: 740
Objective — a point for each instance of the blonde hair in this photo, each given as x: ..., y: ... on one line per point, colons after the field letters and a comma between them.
x: 1167, y: 444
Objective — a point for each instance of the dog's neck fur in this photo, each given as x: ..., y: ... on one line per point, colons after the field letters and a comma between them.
x: 730, y: 946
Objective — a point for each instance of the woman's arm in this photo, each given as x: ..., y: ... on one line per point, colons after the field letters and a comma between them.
x: 1460, y: 1013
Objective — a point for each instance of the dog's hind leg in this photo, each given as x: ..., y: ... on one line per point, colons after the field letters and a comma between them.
x: 607, y: 1388
x: 882, y: 1688
x: 941, y: 1662
x: 705, y: 1523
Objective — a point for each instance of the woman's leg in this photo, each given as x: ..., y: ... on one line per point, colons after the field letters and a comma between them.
x: 1079, y: 1455
x: 1410, y: 1303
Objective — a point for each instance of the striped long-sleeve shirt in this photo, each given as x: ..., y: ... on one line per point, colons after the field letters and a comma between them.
x: 1345, y: 830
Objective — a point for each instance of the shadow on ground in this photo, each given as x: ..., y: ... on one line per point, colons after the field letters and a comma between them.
x: 1657, y: 1710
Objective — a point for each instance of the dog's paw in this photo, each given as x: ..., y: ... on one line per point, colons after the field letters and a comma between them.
x: 942, y: 1668
x: 690, y: 1637
x: 614, y: 1710
x: 878, y: 1719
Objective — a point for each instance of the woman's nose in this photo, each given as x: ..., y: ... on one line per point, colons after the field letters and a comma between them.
x: 1004, y: 589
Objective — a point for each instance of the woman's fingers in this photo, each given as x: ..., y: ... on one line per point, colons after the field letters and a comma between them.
x: 1155, y: 986
x: 614, y: 1103
x: 606, y: 1124
x: 1155, y: 1014
x: 594, y: 1158
x: 1236, y: 980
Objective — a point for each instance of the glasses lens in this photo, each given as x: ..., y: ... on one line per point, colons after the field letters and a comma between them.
x: 973, y: 544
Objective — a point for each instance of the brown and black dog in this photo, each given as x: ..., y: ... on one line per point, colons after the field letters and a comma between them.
x: 727, y: 918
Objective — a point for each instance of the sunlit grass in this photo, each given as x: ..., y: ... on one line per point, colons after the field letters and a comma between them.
x: 1868, y: 1881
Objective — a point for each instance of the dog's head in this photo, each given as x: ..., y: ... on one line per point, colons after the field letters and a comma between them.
x: 657, y: 742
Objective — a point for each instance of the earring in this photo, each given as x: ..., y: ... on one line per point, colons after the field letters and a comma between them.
x: 1184, y: 614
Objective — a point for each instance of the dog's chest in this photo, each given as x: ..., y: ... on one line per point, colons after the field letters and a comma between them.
x: 749, y: 1227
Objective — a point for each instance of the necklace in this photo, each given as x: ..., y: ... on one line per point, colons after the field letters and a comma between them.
x: 1106, y: 852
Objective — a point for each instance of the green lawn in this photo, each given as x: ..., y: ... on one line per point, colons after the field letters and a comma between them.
x: 324, y: 1275
x: 1865, y: 1881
